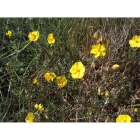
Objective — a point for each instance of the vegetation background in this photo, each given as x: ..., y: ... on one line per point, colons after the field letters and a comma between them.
x: 100, y: 96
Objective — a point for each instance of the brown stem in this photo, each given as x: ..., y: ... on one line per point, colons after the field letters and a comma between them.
x: 45, y: 96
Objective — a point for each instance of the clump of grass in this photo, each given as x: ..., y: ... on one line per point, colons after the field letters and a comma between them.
x: 109, y: 83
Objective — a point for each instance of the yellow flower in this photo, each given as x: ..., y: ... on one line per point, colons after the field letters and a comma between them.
x: 36, y: 106
x: 107, y: 94
x: 115, y: 66
x: 33, y: 36
x: 61, y: 81
x: 49, y: 76
x: 51, y: 39
x: 98, y: 50
x: 77, y: 70
x: 123, y: 118
x: 135, y: 41
x: 135, y: 110
x: 9, y: 33
x: 35, y: 80
x: 40, y: 107
x: 30, y: 117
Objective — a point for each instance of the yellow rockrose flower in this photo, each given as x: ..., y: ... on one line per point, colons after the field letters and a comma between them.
x: 77, y: 70
x: 33, y: 36
x: 115, y: 66
x: 51, y: 39
x: 49, y: 76
x: 98, y: 50
x: 30, y: 117
x: 9, y: 33
x: 40, y: 106
x: 36, y: 106
x: 123, y: 118
x: 35, y: 80
x: 135, y: 41
x: 61, y: 81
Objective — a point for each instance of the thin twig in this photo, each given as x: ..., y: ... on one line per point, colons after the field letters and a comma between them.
x: 18, y: 50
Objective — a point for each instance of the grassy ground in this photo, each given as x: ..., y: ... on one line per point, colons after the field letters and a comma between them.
x: 100, y: 96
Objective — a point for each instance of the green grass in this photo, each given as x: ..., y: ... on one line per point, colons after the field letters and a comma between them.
x: 79, y: 100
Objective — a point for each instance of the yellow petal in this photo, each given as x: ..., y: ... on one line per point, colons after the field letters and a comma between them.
x: 78, y: 75
x: 94, y: 49
x: 103, y: 53
x: 115, y: 66
x: 30, y: 117
x: 36, y: 106
x: 102, y: 48
x: 97, y: 54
